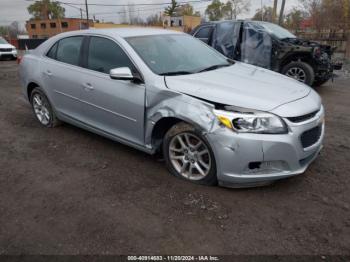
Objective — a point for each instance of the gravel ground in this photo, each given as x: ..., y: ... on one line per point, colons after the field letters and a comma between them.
x: 68, y: 191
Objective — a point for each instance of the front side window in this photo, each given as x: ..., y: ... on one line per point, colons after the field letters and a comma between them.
x: 171, y: 53
x: 256, y: 46
x: 226, y: 38
x: 69, y: 49
x: 274, y: 29
x: 104, y: 55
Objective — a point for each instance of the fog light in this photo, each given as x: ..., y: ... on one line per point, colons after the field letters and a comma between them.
x: 267, y: 167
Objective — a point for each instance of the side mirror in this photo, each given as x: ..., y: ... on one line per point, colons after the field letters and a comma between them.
x: 121, y: 73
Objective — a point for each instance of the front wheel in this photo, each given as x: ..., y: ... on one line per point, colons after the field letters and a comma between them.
x: 300, y: 71
x: 188, y: 155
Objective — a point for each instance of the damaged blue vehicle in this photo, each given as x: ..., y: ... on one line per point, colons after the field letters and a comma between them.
x: 270, y: 46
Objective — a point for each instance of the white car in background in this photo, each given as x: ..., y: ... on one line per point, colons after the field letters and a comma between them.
x: 7, y: 50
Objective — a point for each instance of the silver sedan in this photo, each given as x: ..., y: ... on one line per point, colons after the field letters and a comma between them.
x: 213, y: 119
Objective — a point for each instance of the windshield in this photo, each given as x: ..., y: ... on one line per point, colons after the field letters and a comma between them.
x: 176, y: 54
x: 3, y: 41
x: 277, y: 31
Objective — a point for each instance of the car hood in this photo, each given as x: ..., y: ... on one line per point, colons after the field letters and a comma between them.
x: 240, y: 85
x: 307, y: 43
x: 6, y: 46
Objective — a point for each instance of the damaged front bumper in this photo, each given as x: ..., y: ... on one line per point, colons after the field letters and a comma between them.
x: 245, y: 160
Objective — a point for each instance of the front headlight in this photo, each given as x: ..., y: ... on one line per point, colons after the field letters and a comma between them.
x: 252, y: 122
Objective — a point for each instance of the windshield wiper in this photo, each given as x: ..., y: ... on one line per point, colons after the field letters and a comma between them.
x: 174, y: 73
x: 213, y: 67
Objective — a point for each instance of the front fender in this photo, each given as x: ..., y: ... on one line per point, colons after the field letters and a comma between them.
x: 167, y: 103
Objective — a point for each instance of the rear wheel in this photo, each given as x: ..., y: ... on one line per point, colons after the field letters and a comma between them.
x: 43, y: 109
x: 300, y: 71
x: 188, y: 155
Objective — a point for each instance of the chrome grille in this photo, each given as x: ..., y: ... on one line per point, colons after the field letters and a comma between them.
x: 298, y: 119
x: 5, y: 49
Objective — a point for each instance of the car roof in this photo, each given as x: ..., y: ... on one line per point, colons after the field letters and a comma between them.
x: 124, y: 32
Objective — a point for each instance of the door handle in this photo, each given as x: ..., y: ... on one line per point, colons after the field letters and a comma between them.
x: 48, y: 73
x: 88, y: 87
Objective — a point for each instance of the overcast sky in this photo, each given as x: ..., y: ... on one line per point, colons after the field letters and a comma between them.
x: 16, y: 10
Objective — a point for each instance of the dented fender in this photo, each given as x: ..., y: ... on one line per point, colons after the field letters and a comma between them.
x: 168, y: 103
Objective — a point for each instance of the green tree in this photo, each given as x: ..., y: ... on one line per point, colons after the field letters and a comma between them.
x: 171, y: 9
x: 46, y: 9
x: 294, y: 19
x: 216, y: 10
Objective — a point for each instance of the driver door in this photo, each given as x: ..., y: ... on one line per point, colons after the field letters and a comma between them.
x: 112, y: 106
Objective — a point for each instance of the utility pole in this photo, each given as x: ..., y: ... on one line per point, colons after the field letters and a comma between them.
x: 81, y: 13
x: 262, y: 11
x: 87, y: 14
x: 280, y: 21
x: 274, y: 11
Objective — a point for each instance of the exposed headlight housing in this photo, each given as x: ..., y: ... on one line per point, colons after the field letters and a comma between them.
x: 252, y: 122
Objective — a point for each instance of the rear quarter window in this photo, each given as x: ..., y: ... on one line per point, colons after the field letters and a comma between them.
x: 52, y: 52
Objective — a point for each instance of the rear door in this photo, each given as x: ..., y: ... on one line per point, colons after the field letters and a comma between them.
x: 113, y: 106
x: 62, y: 75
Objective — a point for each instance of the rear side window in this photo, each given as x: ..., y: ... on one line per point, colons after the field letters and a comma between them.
x: 104, y: 55
x: 69, y: 50
x: 52, y: 52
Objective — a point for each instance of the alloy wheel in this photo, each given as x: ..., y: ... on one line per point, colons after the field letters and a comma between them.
x: 190, y: 156
x: 297, y: 73
x: 40, y: 109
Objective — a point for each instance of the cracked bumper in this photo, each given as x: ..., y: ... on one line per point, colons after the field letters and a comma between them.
x: 245, y: 160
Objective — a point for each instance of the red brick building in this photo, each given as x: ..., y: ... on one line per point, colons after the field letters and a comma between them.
x: 51, y: 27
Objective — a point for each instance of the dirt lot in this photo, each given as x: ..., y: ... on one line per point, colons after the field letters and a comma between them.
x: 68, y: 191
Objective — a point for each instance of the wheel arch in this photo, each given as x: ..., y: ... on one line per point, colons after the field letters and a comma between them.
x: 30, y: 88
x: 303, y: 57
x: 162, y: 126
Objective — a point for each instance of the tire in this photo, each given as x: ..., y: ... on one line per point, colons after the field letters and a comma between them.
x: 192, y: 154
x: 48, y: 117
x: 300, y: 71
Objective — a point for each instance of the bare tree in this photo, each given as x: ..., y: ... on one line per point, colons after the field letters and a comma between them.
x: 234, y: 8
x: 264, y: 14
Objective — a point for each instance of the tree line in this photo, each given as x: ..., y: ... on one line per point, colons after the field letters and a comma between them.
x: 318, y: 14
